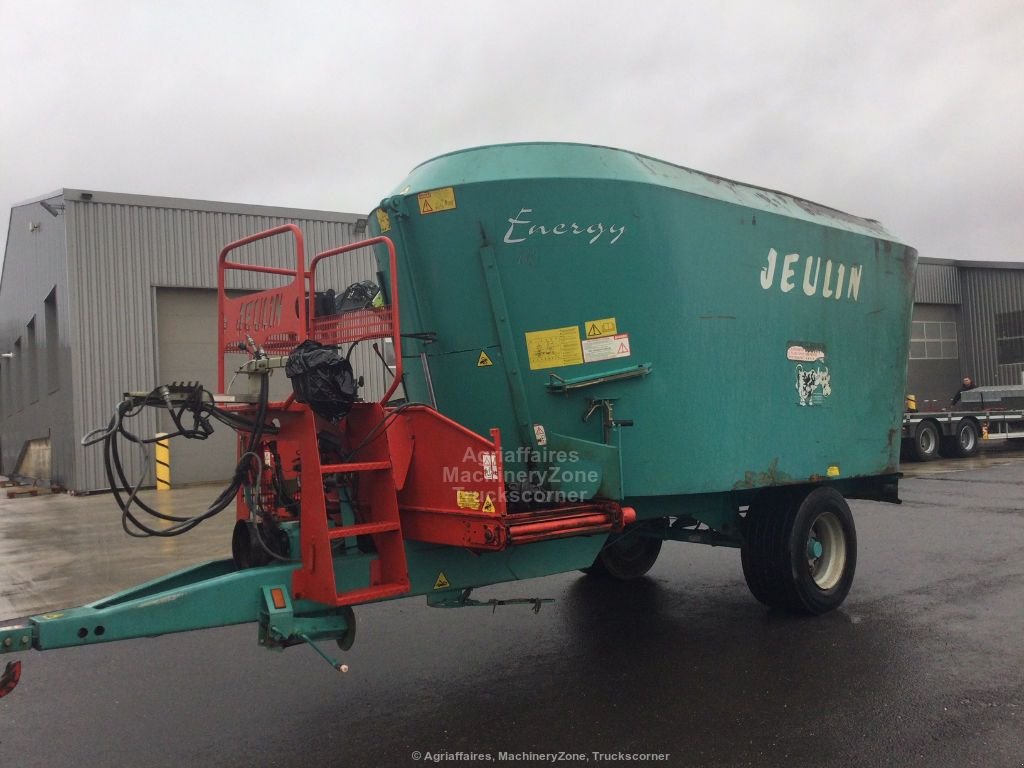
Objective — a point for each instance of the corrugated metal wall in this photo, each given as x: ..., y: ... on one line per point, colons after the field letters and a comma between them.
x: 987, y: 293
x: 937, y: 284
x: 35, y: 385
x: 118, y: 252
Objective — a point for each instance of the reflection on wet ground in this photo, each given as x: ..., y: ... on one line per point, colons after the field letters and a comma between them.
x: 60, y: 550
x: 990, y: 456
x: 923, y: 665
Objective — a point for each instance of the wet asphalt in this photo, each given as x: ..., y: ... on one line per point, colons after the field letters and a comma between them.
x: 922, y: 666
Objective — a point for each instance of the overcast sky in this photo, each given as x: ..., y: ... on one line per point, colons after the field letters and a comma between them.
x: 909, y: 113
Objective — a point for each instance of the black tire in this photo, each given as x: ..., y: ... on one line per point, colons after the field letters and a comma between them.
x: 926, y: 441
x: 965, y: 439
x: 626, y: 557
x: 799, y: 553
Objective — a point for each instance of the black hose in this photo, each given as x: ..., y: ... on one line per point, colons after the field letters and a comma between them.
x: 120, y: 484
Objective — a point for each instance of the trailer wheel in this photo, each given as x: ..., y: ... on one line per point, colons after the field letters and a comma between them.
x: 926, y: 441
x: 626, y: 557
x: 966, y: 439
x: 800, y: 551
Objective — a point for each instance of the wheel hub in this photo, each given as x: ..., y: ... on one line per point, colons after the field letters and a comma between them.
x: 826, y: 551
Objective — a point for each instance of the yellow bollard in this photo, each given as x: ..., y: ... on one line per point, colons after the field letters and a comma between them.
x: 163, y: 462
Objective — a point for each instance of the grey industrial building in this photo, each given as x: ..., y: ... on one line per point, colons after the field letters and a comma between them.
x: 105, y: 293
x: 968, y: 321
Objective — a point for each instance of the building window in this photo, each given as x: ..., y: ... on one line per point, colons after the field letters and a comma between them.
x: 52, y: 342
x: 933, y: 340
x: 1010, y: 337
x: 32, y: 361
x: 19, y: 375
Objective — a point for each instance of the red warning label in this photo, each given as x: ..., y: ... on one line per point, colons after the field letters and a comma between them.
x: 606, y: 348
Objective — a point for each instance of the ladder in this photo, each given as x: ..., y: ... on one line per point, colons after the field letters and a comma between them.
x: 378, y: 502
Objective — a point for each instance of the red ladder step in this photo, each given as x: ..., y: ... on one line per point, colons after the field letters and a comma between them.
x: 362, y: 529
x: 366, y: 594
x: 378, y: 501
x: 356, y: 466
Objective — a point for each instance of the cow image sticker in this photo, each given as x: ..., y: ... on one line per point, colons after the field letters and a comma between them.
x: 813, y: 379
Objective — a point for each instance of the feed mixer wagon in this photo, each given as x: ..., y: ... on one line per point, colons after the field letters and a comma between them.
x: 590, y: 352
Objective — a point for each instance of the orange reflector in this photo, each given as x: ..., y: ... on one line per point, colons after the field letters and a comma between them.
x: 277, y: 595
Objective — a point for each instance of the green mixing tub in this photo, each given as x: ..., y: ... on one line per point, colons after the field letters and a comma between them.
x: 643, y: 331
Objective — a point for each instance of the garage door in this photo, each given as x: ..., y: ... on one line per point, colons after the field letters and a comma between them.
x: 187, y: 351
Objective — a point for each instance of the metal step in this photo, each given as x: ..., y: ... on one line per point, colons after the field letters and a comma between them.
x: 367, y: 594
x: 357, y: 466
x: 362, y: 529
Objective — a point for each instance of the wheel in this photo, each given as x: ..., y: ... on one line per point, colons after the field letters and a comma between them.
x: 626, y: 557
x: 926, y: 441
x: 965, y: 439
x: 799, y: 553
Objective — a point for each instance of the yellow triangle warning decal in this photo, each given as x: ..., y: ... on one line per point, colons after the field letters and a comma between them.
x: 483, y: 361
x: 489, y: 505
x: 593, y: 330
x: 442, y: 581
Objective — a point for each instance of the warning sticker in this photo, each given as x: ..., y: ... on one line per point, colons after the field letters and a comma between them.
x: 598, y: 328
x: 554, y: 348
x: 442, y: 581
x: 483, y: 361
x: 383, y: 220
x: 490, y: 462
x: 540, y: 434
x: 436, y: 200
x: 467, y: 499
x: 489, y: 505
x: 606, y: 348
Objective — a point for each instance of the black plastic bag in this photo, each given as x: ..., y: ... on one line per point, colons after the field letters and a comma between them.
x: 357, y: 296
x: 322, y: 379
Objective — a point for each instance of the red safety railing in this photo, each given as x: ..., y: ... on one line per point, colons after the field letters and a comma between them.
x: 275, y: 318
x: 278, y: 319
x: 361, y: 324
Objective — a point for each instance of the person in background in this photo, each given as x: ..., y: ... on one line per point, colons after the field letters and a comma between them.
x: 968, y: 383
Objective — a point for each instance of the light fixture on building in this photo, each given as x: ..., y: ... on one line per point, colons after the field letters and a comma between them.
x: 33, y: 226
x: 7, y: 355
x: 359, y: 228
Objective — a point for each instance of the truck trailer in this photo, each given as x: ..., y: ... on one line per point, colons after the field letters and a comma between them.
x: 986, y: 416
x: 592, y: 352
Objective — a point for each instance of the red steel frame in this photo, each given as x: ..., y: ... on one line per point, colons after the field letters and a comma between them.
x: 278, y: 319
x: 404, y: 493
x: 366, y: 322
